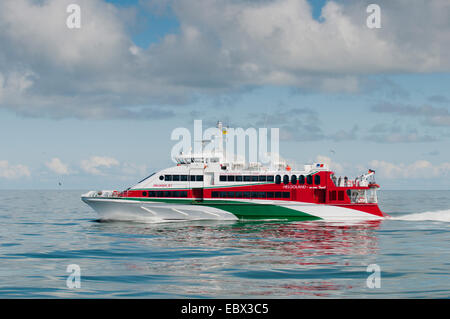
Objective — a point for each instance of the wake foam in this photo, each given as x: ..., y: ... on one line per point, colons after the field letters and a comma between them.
x: 439, y: 215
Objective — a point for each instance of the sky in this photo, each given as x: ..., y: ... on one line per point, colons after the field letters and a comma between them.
x: 94, y: 107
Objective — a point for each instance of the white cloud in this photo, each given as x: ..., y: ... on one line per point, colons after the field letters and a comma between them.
x: 221, y: 46
x: 9, y: 171
x: 417, y: 169
x: 58, y: 167
x: 94, y: 163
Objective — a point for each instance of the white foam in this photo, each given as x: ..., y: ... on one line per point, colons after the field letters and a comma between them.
x: 439, y: 215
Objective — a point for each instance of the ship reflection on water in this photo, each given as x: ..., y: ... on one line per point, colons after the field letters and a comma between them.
x: 244, y: 259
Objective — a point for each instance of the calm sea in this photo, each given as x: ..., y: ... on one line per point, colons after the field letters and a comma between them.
x: 42, y: 232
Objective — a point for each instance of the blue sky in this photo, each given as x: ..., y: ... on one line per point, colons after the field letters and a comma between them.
x: 94, y: 108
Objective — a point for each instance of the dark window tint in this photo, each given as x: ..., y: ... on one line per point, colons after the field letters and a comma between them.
x: 230, y: 194
x: 230, y: 178
x: 238, y: 178
x: 192, y: 179
x: 285, y: 179
x: 349, y: 192
x: 161, y: 178
x: 270, y: 194
x: 167, y: 178
x: 176, y: 194
x: 301, y: 179
x: 183, y: 178
x: 254, y: 194
x: 332, y: 195
x: 254, y: 178
x: 199, y: 178
x: 286, y: 194
x: 176, y: 178
x: 262, y: 178
x: 317, y: 179
x: 151, y: 194
x: 159, y: 194
x: 183, y: 194
x: 247, y: 194
x: 144, y: 193
x: 270, y: 178
x: 341, y: 195
x: 215, y: 194
x: 223, y: 178
x: 247, y: 178
x: 278, y: 179
x: 294, y: 179
x: 238, y: 194
x: 165, y: 194
x: 309, y: 180
x: 278, y: 195
x: 261, y: 194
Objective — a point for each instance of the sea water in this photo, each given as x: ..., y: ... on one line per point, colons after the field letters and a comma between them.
x: 43, y: 232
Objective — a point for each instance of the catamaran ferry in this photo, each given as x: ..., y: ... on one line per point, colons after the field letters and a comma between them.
x: 206, y: 186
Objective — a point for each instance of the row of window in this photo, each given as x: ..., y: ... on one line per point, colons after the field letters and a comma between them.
x: 286, y: 179
x: 181, y: 178
x: 251, y: 194
x: 165, y: 194
x: 340, y: 195
x: 246, y: 178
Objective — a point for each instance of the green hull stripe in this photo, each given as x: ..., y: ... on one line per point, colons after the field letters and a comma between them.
x: 243, y: 210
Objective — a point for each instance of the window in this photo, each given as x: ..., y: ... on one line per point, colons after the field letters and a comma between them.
x: 247, y: 194
x: 215, y: 194
x: 270, y: 194
x: 286, y: 194
x: 230, y: 194
x: 161, y: 178
x: 223, y: 194
x: 309, y: 180
x: 317, y: 179
x: 254, y: 178
x: 278, y: 194
x: 176, y: 194
x: 262, y: 195
x: 285, y: 179
x: 238, y: 195
x: 223, y: 178
x: 199, y: 178
x: 293, y: 179
x: 301, y: 179
x: 183, y: 178
x: 183, y: 194
x: 144, y: 193
x: 247, y: 178
x: 278, y: 179
x: 270, y: 178
x: 192, y: 178
x: 341, y: 195
x: 238, y: 178
x: 166, y: 194
x: 167, y: 178
x: 159, y: 194
x: 176, y: 178
x: 230, y: 178
x: 332, y: 195
x: 151, y: 194
x: 262, y: 178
